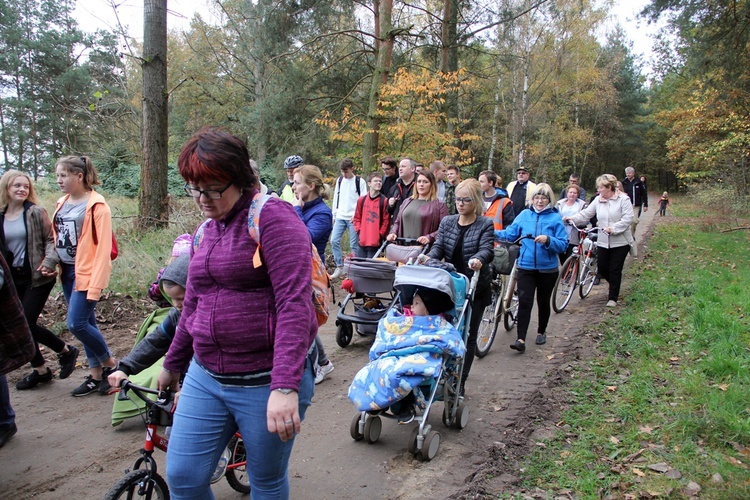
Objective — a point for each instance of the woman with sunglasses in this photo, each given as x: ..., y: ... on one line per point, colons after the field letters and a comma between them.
x: 537, y: 260
x: 466, y: 241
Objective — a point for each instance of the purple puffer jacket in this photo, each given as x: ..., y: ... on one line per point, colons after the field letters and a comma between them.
x: 238, y: 319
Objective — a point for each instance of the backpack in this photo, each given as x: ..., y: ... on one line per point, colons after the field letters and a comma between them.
x: 338, y: 186
x: 115, y: 251
x: 321, y: 281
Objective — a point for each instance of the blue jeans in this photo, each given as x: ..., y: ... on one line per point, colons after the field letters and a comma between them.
x: 82, y: 319
x: 208, y: 414
x: 339, y: 226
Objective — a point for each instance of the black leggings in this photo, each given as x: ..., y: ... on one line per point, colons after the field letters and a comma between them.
x: 482, y: 299
x: 611, y: 262
x: 528, y: 283
x: 33, y: 300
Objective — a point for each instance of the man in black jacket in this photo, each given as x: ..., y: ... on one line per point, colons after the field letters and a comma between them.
x: 636, y: 191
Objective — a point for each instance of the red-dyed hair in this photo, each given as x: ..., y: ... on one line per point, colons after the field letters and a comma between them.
x: 214, y: 155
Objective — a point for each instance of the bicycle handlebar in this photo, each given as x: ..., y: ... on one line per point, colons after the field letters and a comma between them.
x: 163, y: 397
x: 517, y: 240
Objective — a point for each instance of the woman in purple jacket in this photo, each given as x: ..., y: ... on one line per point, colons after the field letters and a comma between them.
x: 419, y: 216
x: 245, y: 332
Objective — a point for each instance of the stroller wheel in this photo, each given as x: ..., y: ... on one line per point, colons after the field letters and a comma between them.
x: 373, y: 426
x: 448, y: 419
x: 344, y: 334
x: 462, y: 416
x: 354, y: 428
x: 412, y: 446
x: 430, y: 446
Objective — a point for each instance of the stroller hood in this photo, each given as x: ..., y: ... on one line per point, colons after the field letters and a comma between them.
x: 438, y: 281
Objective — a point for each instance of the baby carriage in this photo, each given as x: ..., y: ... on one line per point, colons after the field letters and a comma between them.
x: 416, y: 361
x: 371, y: 289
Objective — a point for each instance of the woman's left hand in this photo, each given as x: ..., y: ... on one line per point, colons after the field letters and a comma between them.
x: 46, y: 271
x: 282, y: 414
x: 424, y: 240
x: 542, y: 239
x: 475, y: 264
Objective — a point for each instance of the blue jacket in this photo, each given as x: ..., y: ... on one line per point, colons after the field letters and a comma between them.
x: 534, y: 256
x: 318, y: 219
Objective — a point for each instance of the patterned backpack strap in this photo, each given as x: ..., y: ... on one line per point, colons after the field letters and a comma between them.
x: 253, y: 224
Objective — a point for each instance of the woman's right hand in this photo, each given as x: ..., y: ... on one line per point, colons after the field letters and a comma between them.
x: 391, y: 237
x: 296, y: 202
x: 46, y: 271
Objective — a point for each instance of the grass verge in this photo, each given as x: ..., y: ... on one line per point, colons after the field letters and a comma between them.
x: 664, y: 408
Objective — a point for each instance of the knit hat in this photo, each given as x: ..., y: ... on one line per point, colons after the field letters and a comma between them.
x: 176, y: 272
x: 435, y: 302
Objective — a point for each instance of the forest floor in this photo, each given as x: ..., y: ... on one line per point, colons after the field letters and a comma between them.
x: 66, y: 447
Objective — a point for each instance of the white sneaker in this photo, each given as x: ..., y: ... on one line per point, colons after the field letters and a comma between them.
x: 337, y: 273
x: 323, y: 372
x: 611, y: 303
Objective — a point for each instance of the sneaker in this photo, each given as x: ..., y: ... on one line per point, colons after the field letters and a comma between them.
x: 67, y: 361
x: 541, y: 339
x: 519, y: 346
x: 611, y: 303
x: 323, y: 372
x: 7, y: 432
x: 337, y: 273
x: 88, y: 386
x: 33, y: 379
x: 104, y: 387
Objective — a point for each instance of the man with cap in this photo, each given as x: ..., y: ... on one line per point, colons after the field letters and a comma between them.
x: 520, y: 190
x: 285, y: 190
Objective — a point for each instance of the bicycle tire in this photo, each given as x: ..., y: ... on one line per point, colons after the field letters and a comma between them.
x: 490, y: 319
x: 588, y: 275
x: 565, y: 284
x: 128, y: 487
x: 237, y: 477
x: 510, y: 289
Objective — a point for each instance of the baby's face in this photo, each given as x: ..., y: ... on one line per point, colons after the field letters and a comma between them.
x: 417, y: 307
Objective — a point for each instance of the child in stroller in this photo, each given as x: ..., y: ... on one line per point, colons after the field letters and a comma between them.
x: 416, y: 359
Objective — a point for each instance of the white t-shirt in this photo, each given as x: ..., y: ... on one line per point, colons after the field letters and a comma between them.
x: 345, y: 197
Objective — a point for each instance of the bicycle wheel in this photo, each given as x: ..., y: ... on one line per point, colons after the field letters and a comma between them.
x: 237, y: 472
x: 565, y: 284
x: 490, y: 319
x: 510, y: 289
x: 588, y: 275
x: 139, y: 484
x: 511, y: 313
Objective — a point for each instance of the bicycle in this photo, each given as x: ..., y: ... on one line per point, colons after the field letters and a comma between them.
x: 144, y: 481
x: 578, y: 270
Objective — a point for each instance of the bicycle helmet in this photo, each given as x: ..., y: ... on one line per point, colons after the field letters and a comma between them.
x: 293, y: 161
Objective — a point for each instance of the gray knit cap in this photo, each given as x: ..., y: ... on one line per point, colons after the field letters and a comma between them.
x: 176, y: 272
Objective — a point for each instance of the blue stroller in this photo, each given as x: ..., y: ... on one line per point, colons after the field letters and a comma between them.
x: 416, y: 361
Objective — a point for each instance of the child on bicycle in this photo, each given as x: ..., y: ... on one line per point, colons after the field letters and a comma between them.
x: 156, y: 344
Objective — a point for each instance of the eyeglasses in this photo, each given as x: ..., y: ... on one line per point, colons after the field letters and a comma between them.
x: 211, y: 194
x: 541, y: 197
x: 463, y: 201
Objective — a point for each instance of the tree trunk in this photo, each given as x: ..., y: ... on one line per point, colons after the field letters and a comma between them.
x: 385, y: 38
x: 449, y: 60
x: 154, y: 204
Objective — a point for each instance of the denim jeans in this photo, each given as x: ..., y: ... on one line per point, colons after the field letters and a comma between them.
x: 339, y: 226
x: 82, y: 319
x: 208, y: 414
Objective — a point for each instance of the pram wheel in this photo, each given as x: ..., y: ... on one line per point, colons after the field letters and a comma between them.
x: 412, y: 446
x: 462, y: 416
x: 373, y: 426
x: 354, y: 428
x: 344, y: 334
x: 430, y: 447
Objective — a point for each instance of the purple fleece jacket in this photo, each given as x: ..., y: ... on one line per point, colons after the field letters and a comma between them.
x: 237, y: 319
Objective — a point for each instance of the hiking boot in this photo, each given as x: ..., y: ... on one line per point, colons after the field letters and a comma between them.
x: 541, y: 339
x: 33, y: 379
x: 7, y: 432
x: 104, y: 387
x: 322, y: 372
x: 67, y: 361
x: 337, y: 273
x: 89, y: 386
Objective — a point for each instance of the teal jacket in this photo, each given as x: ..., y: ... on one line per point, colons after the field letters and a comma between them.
x: 534, y: 256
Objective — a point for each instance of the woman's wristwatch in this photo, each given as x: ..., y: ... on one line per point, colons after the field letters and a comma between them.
x: 285, y: 391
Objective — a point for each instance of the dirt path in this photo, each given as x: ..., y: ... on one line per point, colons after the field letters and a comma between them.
x: 66, y: 447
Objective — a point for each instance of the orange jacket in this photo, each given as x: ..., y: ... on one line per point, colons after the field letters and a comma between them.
x: 93, y: 263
